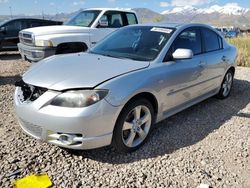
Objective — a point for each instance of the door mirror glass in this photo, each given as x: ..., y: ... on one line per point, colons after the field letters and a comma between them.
x: 182, y: 53
x: 103, y: 23
x: 3, y: 29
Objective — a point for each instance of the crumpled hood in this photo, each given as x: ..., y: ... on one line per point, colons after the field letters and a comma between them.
x: 81, y: 70
x: 59, y: 29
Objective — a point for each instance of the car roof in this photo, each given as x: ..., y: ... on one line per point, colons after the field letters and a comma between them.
x: 174, y: 25
x: 25, y: 18
x: 112, y: 9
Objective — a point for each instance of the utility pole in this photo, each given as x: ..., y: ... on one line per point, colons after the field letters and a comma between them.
x: 11, y: 12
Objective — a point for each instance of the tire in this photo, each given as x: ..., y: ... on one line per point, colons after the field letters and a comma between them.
x: 226, y: 85
x: 133, y: 126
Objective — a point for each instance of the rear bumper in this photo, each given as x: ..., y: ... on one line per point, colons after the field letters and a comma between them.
x: 34, y: 53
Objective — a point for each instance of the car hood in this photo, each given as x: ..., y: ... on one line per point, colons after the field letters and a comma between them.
x: 60, y: 29
x: 81, y: 70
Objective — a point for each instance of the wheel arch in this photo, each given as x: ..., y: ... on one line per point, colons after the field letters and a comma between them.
x: 75, y: 46
x: 148, y: 96
x: 232, y: 68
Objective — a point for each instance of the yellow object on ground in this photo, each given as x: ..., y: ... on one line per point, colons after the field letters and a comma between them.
x: 34, y: 181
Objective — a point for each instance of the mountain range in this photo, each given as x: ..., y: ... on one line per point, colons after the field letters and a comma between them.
x: 230, y: 14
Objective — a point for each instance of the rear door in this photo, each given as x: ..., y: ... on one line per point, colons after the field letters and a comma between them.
x: 215, y: 57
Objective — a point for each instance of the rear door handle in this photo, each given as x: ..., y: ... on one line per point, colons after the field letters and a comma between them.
x: 224, y: 58
x: 202, y: 63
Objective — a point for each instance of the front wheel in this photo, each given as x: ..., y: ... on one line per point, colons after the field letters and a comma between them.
x: 133, y: 126
x: 226, y: 85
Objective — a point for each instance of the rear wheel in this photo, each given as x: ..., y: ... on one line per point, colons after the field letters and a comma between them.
x: 133, y: 126
x: 226, y: 85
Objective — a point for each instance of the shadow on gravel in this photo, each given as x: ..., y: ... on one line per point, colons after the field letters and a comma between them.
x: 183, y: 129
x: 9, y: 80
x: 10, y: 56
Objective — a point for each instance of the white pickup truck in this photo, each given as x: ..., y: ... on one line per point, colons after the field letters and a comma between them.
x: 78, y: 34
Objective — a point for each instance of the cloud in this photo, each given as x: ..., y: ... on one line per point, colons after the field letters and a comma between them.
x: 164, y: 4
x: 4, y: 1
x: 181, y: 3
x: 52, y: 4
x: 76, y: 3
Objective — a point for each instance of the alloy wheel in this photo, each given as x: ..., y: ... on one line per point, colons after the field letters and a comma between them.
x: 227, y: 84
x: 136, y: 126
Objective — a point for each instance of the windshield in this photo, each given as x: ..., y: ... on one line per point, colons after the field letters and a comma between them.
x: 2, y: 22
x: 84, y: 19
x: 141, y: 43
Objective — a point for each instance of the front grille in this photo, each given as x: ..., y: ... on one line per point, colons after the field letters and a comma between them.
x: 29, y: 92
x: 32, y: 129
x: 26, y: 35
x: 26, y: 38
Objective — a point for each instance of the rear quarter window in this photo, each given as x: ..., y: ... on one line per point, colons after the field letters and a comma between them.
x: 131, y: 18
x: 212, y: 41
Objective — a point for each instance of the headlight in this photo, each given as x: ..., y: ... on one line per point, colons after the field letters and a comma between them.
x: 46, y: 43
x: 79, y: 98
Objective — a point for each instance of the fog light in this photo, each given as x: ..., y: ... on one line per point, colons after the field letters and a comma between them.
x: 37, y: 54
x: 67, y: 139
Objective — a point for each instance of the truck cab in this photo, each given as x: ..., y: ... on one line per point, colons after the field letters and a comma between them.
x: 78, y: 34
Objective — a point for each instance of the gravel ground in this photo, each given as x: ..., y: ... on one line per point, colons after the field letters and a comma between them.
x: 208, y: 143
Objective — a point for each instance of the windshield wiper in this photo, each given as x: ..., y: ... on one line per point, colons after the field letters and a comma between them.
x: 107, y: 55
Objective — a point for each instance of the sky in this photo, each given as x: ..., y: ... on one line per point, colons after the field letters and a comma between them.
x: 36, y: 7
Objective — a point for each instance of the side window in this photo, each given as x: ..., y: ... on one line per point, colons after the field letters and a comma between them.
x: 15, y: 25
x: 131, y: 18
x: 114, y: 19
x: 188, y: 39
x: 212, y: 40
x: 35, y: 24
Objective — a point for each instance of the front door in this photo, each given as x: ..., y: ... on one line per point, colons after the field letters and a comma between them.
x: 10, y: 37
x: 184, y: 78
x: 114, y: 20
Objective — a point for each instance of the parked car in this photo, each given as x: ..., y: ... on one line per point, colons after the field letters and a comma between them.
x: 118, y: 90
x: 9, y: 30
x: 231, y: 34
x: 78, y: 34
x: 223, y: 31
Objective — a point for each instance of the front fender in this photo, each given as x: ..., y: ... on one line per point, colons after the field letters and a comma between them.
x: 125, y: 87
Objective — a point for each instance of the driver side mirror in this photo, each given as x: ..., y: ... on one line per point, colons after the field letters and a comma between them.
x: 182, y: 53
x: 3, y: 30
x: 103, y: 23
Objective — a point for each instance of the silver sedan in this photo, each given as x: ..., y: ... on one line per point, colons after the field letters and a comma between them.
x: 116, y: 92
